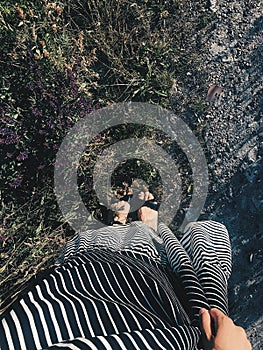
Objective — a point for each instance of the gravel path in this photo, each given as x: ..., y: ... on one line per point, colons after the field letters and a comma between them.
x: 230, y: 56
x: 235, y: 63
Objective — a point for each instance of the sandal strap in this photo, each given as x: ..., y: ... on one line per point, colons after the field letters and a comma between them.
x: 151, y: 203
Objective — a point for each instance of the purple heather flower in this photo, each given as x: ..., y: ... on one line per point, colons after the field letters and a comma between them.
x: 50, y: 124
x: 11, y: 138
x: 22, y: 156
x: 52, y: 103
x: 6, y: 118
x: 4, y: 131
x: 41, y: 87
x: 36, y: 112
x: 17, y: 182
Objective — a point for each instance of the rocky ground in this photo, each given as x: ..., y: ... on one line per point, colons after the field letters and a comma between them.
x: 231, y: 57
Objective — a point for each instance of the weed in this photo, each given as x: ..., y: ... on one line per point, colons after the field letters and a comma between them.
x: 60, y: 61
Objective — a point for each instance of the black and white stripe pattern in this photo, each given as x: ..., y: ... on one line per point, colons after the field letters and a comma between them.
x: 106, y: 298
x: 208, y: 247
x: 136, y: 237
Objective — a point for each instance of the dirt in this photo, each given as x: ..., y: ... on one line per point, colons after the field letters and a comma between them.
x: 230, y: 57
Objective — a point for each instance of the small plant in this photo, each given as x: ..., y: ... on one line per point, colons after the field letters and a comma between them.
x: 59, y: 61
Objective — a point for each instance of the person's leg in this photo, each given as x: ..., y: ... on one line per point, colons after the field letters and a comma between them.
x: 182, y: 267
x: 207, y: 244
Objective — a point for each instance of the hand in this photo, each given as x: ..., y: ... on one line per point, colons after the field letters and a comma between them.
x: 227, y: 336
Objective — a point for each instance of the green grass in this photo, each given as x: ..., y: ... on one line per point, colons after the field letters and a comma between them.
x: 58, y: 62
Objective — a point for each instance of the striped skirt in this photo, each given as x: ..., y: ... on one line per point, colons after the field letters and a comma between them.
x: 124, y: 287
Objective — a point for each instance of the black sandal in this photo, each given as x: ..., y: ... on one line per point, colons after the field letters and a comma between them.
x: 151, y: 203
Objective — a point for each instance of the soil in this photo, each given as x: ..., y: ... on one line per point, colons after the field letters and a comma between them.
x: 230, y: 57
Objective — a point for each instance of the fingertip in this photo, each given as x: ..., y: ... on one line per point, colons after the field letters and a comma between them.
x: 216, y: 312
x: 202, y: 310
x: 205, y: 322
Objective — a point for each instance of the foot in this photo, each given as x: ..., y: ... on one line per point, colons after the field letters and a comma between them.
x: 149, y: 217
x: 121, y: 210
